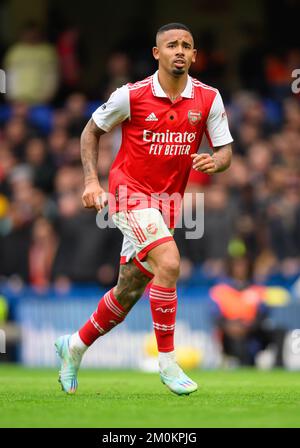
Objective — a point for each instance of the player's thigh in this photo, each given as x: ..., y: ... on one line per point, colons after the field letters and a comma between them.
x: 131, y: 284
x: 144, y: 229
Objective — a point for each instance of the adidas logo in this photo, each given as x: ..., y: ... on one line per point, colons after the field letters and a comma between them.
x: 151, y: 117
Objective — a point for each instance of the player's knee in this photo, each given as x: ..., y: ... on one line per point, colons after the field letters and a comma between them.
x: 165, y: 262
x: 169, y: 267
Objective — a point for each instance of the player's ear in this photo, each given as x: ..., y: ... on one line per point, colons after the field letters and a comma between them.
x: 155, y: 52
x: 194, y: 55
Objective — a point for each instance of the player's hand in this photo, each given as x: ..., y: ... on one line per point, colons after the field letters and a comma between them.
x: 204, y: 162
x: 94, y: 196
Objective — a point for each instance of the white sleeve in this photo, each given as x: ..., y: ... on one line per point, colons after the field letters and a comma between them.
x: 114, y: 111
x: 217, y: 123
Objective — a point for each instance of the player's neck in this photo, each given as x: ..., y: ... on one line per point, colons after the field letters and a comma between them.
x: 172, y: 86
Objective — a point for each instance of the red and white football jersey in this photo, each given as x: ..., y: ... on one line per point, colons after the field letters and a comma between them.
x: 158, y: 138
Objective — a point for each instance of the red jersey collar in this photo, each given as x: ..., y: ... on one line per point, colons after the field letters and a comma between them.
x: 158, y: 91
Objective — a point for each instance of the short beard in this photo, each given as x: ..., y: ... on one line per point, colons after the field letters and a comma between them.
x: 178, y: 71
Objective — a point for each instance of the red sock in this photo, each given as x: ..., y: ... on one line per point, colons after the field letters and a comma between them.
x: 108, y: 314
x: 163, y: 302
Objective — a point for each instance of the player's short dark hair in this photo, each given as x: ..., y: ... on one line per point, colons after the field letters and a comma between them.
x: 173, y: 26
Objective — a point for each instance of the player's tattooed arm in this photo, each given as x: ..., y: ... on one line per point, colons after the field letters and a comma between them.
x: 222, y: 156
x: 93, y: 195
x: 89, y: 146
x: 209, y: 164
x: 131, y: 285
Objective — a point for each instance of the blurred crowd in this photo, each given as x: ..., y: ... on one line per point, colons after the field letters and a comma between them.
x: 46, y: 237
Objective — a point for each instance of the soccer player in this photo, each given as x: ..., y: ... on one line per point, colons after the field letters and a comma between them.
x: 163, y: 121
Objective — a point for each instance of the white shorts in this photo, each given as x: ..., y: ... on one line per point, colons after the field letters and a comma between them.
x: 143, y: 229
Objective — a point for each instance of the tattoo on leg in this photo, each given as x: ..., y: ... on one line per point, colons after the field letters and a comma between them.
x: 131, y: 285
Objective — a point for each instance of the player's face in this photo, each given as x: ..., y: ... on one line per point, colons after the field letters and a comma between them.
x: 175, y: 51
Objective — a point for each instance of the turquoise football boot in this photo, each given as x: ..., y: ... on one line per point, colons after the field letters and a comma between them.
x: 69, y: 365
x: 177, y: 381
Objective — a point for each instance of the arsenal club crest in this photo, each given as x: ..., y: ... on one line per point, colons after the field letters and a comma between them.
x: 152, y: 228
x: 194, y: 116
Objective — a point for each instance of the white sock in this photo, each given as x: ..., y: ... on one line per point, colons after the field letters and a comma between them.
x: 165, y: 359
x: 77, y: 346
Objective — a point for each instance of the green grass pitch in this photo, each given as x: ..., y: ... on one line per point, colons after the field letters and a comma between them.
x: 120, y: 399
